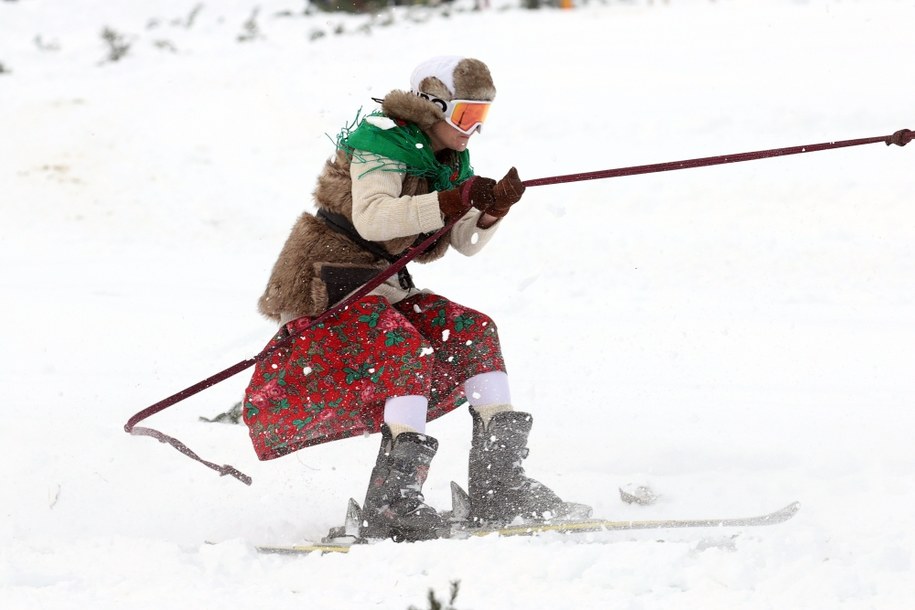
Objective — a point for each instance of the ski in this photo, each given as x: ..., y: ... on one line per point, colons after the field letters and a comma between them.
x: 307, y: 548
x: 608, y: 525
x: 459, y: 531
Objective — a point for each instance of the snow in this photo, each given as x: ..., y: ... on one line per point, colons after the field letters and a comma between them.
x: 735, y: 337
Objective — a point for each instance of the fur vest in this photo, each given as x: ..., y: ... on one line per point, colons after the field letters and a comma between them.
x: 318, y: 266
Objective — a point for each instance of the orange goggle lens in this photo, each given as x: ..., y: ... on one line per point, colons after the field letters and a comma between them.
x: 467, y: 115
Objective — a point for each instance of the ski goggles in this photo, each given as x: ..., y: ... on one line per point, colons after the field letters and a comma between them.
x: 467, y: 116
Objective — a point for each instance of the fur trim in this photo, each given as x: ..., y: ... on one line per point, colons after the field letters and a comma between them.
x: 454, y: 78
x: 472, y: 81
x: 410, y: 107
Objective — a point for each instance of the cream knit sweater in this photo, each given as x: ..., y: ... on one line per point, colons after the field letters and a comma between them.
x: 381, y: 213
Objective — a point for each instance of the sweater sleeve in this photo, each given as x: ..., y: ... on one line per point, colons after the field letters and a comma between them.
x: 467, y: 238
x: 379, y: 211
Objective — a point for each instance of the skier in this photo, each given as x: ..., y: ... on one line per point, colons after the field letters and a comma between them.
x: 400, y: 356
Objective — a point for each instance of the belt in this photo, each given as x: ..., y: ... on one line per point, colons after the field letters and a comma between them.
x: 340, y: 224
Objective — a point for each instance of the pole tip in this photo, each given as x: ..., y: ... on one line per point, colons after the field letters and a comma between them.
x: 900, y: 138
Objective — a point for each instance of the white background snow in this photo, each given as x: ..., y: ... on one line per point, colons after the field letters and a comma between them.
x: 736, y: 337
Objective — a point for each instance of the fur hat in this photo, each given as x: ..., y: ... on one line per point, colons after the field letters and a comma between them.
x: 447, y: 78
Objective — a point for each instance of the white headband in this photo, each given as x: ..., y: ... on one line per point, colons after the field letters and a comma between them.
x: 441, y: 68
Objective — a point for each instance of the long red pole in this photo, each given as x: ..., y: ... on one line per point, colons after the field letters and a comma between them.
x: 900, y: 138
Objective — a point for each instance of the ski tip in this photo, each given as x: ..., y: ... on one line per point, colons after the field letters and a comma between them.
x: 783, y: 514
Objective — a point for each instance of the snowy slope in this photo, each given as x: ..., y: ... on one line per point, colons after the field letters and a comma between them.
x: 737, y: 337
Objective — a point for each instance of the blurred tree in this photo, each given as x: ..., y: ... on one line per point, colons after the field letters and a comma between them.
x: 370, y: 6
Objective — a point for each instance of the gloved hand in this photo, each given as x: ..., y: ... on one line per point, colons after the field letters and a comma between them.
x: 507, y: 193
x: 476, y: 193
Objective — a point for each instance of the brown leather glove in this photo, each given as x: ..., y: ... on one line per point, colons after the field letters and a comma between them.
x: 507, y: 193
x: 476, y: 193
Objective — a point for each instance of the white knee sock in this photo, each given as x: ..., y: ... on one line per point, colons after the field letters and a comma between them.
x: 406, y: 414
x: 488, y: 393
x: 488, y: 389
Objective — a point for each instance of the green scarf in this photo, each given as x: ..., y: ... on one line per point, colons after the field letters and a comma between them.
x: 405, y: 143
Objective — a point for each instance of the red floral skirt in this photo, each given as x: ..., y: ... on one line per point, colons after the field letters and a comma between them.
x: 332, y: 380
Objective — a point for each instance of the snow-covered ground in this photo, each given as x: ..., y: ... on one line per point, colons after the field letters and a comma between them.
x: 736, y: 337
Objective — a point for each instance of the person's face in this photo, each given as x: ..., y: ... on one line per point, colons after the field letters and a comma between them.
x: 445, y: 136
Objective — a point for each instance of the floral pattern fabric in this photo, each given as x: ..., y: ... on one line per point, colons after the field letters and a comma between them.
x: 332, y: 380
